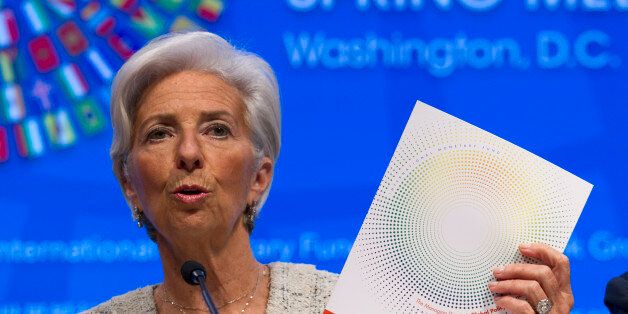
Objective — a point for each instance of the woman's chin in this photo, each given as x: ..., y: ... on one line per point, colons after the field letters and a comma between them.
x: 194, y: 218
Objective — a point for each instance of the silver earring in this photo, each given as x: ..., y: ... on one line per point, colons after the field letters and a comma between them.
x: 138, y: 216
x: 249, y: 215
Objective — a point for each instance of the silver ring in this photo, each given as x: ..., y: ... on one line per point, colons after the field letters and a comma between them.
x: 544, y: 306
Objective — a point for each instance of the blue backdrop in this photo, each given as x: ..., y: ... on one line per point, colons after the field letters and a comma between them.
x: 549, y: 76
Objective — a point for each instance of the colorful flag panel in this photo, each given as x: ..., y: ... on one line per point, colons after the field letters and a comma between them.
x: 147, y: 22
x: 73, y: 81
x: 28, y: 139
x: 209, y: 10
x: 4, y: 145
x: 64, y: 8
x: 125, y: 5
x: 120, y: 46
x: 100, y: 65
x: 41, y: 91
x: 6, y: 67
x: 183, y: 24
x: 13, y: 105
x: 58, y: 58
x: 90, y: 117
x: 8, y: 28
x: 169, y: 5
x: 72, y: 38
x: 99, y: 19
x: 43, y: 54
x: 89, y: 11
x: 36, y: 15
x: 59, y: 129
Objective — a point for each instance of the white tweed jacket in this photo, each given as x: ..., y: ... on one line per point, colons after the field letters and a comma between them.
x: 294, y: 288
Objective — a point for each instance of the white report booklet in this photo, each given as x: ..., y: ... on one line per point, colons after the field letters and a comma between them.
x: 455, y: 202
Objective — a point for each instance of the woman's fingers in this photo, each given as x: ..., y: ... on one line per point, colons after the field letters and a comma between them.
x: 529, y: 289
x: 541, y: 274
x: 557, y: 261
x: 550, y: 280
x: 514, y: 305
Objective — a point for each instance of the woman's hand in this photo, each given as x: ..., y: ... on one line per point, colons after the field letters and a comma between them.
x: 523, y: 286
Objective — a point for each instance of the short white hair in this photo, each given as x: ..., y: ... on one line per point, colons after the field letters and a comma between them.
x: 204, y: 52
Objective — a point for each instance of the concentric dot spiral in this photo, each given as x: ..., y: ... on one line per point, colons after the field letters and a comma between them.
x: 449, y: 209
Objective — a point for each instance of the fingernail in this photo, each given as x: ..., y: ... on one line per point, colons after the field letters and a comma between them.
x: 525, y: 246
x: 492, y: 285
x: 496, y: 298
x: 498, y: 270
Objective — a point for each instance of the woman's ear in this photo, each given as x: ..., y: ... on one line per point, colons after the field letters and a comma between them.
x: 261, y: 180
x: 127, y: 185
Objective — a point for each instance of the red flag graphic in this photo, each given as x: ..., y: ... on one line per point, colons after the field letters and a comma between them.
x: 64, y: 8
x: 72, y: 38
x: 125, y: 5
x: 209, y: 9
x: 106, y: 26
x: 9, y: 33
x: 120, y: 46
x: 4, y: 145
x: 43, y: 54
x: 88, y: 12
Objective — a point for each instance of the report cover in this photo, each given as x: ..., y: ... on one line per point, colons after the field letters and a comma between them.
x: 455, y: 202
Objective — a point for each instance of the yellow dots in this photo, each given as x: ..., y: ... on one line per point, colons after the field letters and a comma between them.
x: 440, y: 165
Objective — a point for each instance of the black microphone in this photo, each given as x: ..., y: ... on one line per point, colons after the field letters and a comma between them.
x: 194, y: 274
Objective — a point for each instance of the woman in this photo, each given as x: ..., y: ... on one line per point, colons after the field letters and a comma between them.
x: 196, y: 136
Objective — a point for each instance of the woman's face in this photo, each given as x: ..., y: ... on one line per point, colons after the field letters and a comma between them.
x: 191, y: 166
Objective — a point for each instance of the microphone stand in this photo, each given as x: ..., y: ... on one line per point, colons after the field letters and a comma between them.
x: 194, y: 274
x: 208, y: 300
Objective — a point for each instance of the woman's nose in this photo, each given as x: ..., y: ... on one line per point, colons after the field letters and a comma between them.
x: 189, y: 154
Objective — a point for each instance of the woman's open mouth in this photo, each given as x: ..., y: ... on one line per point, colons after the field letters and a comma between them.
x: 190, y: 194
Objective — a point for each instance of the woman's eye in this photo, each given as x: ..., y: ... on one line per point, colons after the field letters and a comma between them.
x: 219, y: 131
x: 156, y: 135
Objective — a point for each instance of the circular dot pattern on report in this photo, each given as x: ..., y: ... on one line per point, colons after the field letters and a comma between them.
x: 450, y: 209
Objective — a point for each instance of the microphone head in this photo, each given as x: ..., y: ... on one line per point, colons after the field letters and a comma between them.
x: 191, y: 271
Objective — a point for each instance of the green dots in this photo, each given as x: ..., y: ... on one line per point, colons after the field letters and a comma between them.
x: 403, y: 251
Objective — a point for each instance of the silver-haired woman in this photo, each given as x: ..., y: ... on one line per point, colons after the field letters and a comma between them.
x: 196, y: 136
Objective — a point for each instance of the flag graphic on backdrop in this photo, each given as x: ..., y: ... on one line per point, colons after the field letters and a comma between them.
x: 73, y: 81
x: 59, y: 129
x: 4, y: 145
x: 147, y: 22
x: 89, y: 11
x: 63, y: 8
x: 41, y: 91
x: 100, y: 20
x: 8, y: 28
x: 58, y: 58
x: 184, y: 24
x: 72, y: 38
x: 209, y: 10
x: 6, y: 67
x: 36, y: 15
x: 90, y: 117
x: 100, y: 65
x: 124, y: 5
x: 28, y: 138
x: 43, y: 54
x: 120, y: 46
x: 13, y: 103
x: 169, y: 5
